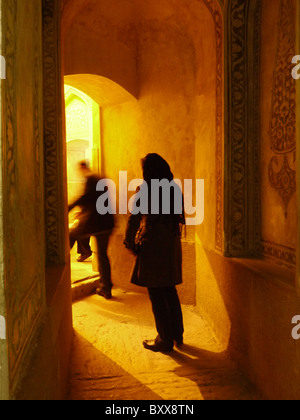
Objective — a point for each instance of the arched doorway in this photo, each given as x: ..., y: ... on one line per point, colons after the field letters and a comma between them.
x: 87, y: 99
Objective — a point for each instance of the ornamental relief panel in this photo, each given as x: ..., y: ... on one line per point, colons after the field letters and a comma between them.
x: 242, y: 219
x: 22, y: 178
x: 217, y: 16
x: 52, y: 134
x: 282, y: 171
x: 278, y: 134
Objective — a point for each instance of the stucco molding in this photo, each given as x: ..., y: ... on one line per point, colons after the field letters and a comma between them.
x: 215, y: 9
x: 282, y: 176
x: 282, y: 255
x: 53, y: 155
x: 242, y: 127
x: 242, y: 223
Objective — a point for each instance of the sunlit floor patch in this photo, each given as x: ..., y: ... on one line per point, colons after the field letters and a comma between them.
x: 110, y: 363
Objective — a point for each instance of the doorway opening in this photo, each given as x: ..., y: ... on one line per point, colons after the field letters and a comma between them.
x: 83, y: 144
x: 87, y: 98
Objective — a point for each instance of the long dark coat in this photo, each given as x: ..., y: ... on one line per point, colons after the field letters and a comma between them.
x: 159, y: 253
x: 90, y: 221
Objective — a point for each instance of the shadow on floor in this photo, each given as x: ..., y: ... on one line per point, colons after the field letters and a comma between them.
x: 214, y: 373
x: 110, y: 363
x: 89, y: 378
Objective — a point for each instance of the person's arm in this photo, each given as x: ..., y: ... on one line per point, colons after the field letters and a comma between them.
x: 88, y: 196
x: 132, y: 228
x: 133, y: 225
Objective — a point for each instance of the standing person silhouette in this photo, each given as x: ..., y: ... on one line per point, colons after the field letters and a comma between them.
x: 91, y: 223
x: 155, y: 239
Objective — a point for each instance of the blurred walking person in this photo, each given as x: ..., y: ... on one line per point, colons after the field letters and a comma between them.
x: 91, y: 223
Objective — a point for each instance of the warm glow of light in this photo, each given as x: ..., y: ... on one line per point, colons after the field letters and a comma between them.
x: 116, y: 329
x: 209, y: 292
x: 82, y: 135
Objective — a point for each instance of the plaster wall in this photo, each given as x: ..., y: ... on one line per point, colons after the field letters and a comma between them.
x: 250, y: 305
x: 38, y: 322
x: 175, y: 113
x: 99, y: 39
x: 174, y: 63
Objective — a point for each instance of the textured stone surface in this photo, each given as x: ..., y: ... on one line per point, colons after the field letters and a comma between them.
x: 110, y: 363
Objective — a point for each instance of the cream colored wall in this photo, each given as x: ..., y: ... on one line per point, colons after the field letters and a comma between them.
x: 205, y: 154
x: 169, y: 50
x: 175, y: 116
x: 101, y: 40
x: 175, y: 113
x: 161, y: 121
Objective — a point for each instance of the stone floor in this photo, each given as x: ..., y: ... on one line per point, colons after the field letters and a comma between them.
x: 109, y: 362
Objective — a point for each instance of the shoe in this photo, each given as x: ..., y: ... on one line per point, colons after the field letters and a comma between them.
x: 157, y: 347
x: 179, y: 343
x: 82, y: 258
x: 107, y: 296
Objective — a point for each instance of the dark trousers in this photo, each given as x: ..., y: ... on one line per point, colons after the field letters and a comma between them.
x: 103, y: 260
x: 168, y: 314
x: 83, y: 247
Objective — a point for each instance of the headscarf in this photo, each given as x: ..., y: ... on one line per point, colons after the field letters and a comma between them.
x: 155, y: 167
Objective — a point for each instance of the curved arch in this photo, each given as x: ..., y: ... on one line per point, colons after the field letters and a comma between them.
x: 102, y: 90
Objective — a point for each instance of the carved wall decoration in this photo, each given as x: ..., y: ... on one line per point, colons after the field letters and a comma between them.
x: 242, y: 136
x: 22, y: 322
x: 217, y: 15
x: 283, y: 119
x: 281, y: 255
x: 238, y: 86
x: 284, y: 181
x: 242, y: 223
x: 24, y: 290
x: 53, y: 155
